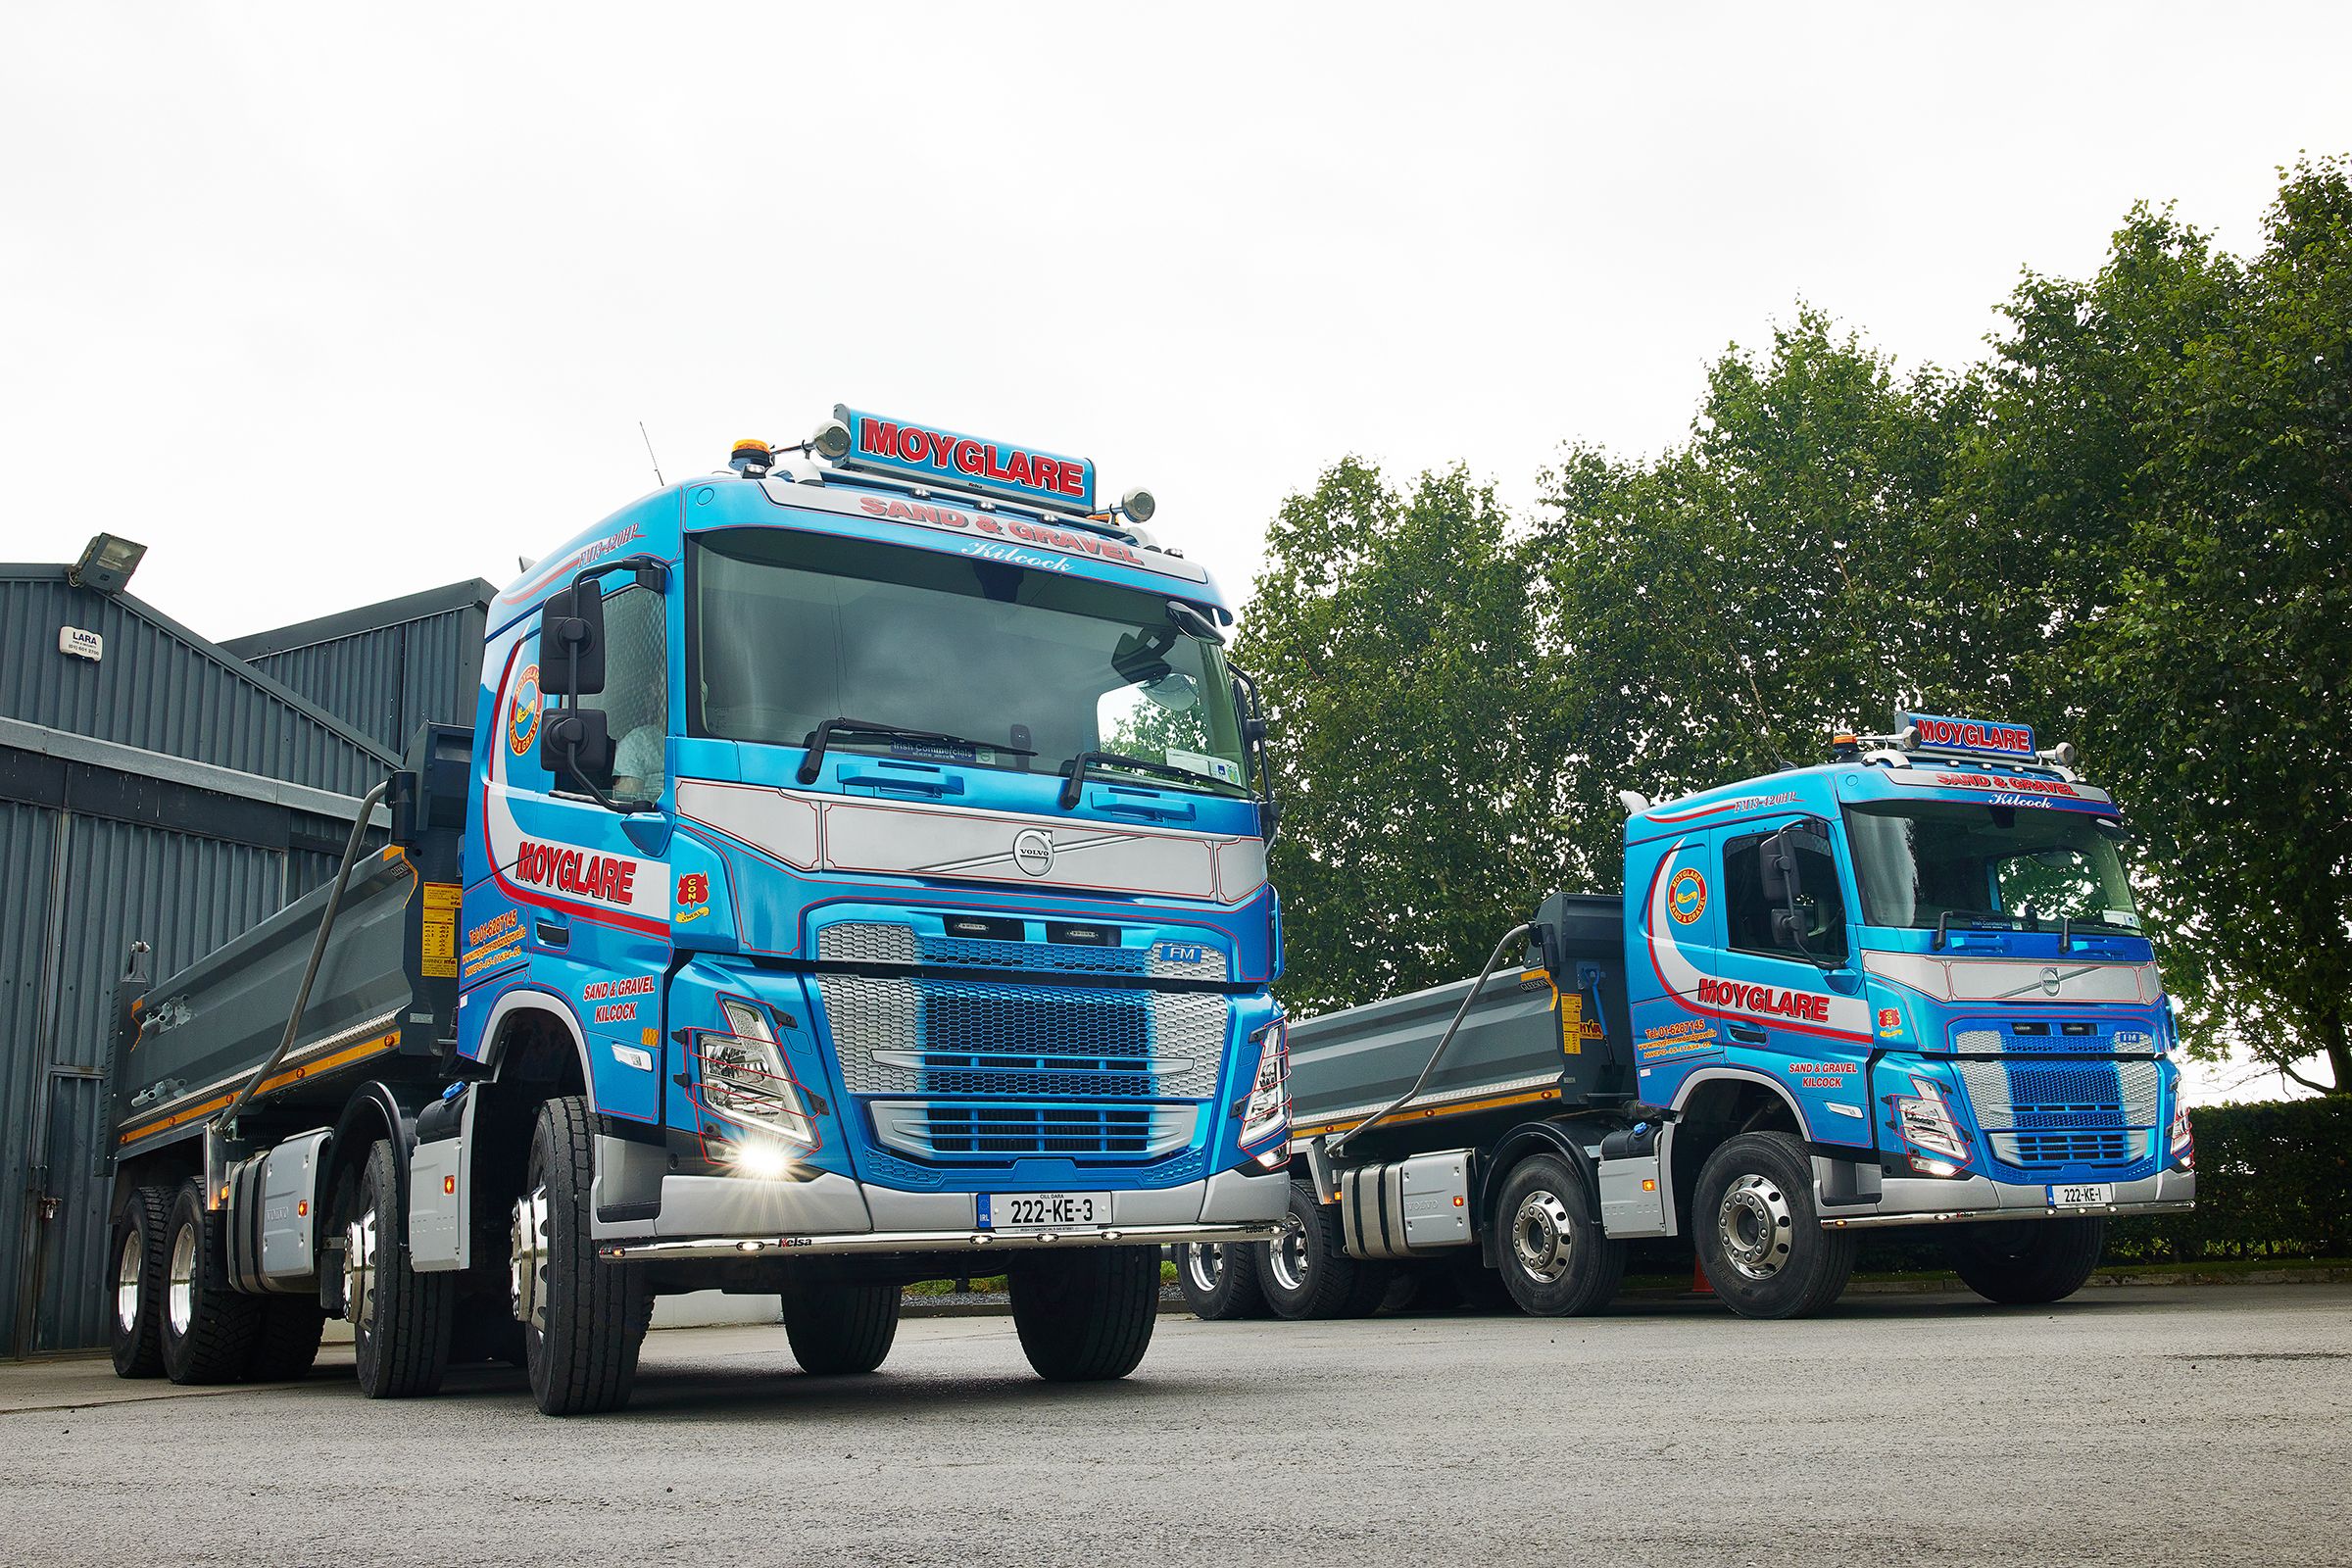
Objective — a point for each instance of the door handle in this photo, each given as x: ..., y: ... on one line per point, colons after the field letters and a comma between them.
x: 553, y: 933
x: 1747, y: 1033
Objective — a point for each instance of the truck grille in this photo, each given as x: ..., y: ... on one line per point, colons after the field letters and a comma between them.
x: 2051, y: 1113
x: 880, y: 942
x: 893, y: 1034
x: 984, y: 1131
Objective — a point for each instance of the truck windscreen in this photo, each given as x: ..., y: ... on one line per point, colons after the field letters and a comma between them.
x: 792, y: 629
x: 2025, y: 866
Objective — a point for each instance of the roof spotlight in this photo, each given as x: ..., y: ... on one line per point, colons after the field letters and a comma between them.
x: 1139, y: 505
x: 832, y: 440
x: 107, y: 563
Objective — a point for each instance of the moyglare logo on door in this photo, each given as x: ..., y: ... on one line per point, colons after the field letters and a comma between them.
x: 1033, y: 852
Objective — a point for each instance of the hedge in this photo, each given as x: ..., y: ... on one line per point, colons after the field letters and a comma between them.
x: 2273, y: 1180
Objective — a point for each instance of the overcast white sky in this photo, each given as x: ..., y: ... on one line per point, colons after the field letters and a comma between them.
x: 329, y: 303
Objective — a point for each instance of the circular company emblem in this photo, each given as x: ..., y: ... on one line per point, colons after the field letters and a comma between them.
x: 1033, y: 851
x: 1686, y: 896
x: 2051, y: 982
x: 523, y: 723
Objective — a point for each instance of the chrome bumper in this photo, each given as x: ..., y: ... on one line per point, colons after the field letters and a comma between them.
x: 1927, y: 1201
x: 874, y: 1242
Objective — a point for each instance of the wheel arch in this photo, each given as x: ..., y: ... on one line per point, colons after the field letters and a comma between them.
x: 1713, y: 1104
x: 1528, y: 1138
x: 532, y: 1036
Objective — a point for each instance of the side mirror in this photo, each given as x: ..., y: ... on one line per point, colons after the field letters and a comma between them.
x: 575, y: 742
x: 572, y: 642
x: 1776, y: 869
x: 1190, y: 622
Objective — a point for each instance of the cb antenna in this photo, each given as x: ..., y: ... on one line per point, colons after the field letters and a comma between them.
x: 649, y: 452
x: 1747, y: 668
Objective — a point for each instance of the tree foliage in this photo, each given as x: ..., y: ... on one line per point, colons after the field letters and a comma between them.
x: 2126, y: 525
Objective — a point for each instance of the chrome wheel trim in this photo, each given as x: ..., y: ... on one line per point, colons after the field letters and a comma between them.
x: 1287, y: 1254
x: 526, y: 1272
x: 358, y: 1269
x: 1757, y: 1228
x: 1205, y: 1263
x: 180, y: 1299
x: 127, y: 1268
x: 1542, y: 1237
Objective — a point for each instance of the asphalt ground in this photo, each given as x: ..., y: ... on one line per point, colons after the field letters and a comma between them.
x: 2135, y: 1425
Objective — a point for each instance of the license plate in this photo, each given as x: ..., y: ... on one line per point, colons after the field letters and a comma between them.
x: 1040, y: 1211
x: 2082, y: 1195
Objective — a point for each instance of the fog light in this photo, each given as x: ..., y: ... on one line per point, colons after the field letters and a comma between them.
x: 763, y: 1161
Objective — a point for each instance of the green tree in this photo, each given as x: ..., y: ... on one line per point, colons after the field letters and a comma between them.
x: 2174, y: 436
x: 1389, y: 632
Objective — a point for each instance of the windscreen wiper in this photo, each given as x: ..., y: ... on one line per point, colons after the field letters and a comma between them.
x: 822, y: 736
x: 1079, y: 764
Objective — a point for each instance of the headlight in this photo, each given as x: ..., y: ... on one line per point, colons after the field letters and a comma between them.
x: 1266, y: 1111
x: 2185, y: 1142
x: 1926, y: 1124
x: 744, y: 1079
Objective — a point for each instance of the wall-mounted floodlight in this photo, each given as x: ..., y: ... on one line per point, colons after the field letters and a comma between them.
x: 106, y: 564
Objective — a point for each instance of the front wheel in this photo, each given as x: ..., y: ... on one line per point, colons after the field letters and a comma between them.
x: 1086, y: 1315
x: 2026, y: 1262
x: 583, y: 1319
x: 1219, y: 1282
x: 1761, y: 1238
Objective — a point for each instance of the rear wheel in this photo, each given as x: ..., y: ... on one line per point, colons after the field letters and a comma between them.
x: 398, y: 1318
x: 838, y: 1328
x: 583, y: 1319
x: 1306, y: 1274
x: 2026, y: 1262
x: 1555, y: 1260
x: 134, y: 1328
x: 1760, y: 1239
x: 208, y: 1329
x: 1086, y: 1315
x: 1219, y: 1282
x: 287, y: 1342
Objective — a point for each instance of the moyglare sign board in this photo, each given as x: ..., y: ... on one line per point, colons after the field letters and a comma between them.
x: 928, y: 455
x: 1976, y: 737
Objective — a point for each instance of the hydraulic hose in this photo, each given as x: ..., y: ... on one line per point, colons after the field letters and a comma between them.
x: 1517, y: 933
x: 326, y: 926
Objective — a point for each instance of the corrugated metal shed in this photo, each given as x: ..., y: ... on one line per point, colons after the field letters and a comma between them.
x: 162, y: 688
x: 386, y: 668
x: 168, y: 794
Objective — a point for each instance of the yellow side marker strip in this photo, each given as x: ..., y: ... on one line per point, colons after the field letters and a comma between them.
x: 341, y: 1058
x: 1432, y: 1112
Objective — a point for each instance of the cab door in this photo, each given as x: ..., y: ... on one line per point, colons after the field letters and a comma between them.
x: 591, y: 880
x: 1789, y: 991
x: 1676, y: 928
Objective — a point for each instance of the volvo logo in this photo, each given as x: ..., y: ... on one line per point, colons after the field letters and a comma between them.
x: 1033, y: 853
x: 2051, y: 982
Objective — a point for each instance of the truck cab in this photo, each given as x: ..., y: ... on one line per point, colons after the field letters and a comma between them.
x: 1928, y: 956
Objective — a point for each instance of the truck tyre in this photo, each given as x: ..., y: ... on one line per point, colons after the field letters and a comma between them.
x: 2026, y: 1262
x: 1220, y: 1281
x: 287, y: 1342
x: 134, y: 1326
x: 1305, y: 1272
x: 837, y: 1328
x: 398, y: 1318
x: 583, y: 1320
x: 1086, y: 1315
x: 1758, y: 1235
x: 1555, y: 1260
x: 208, y: 1328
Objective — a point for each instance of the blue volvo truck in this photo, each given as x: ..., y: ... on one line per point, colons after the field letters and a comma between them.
x: 856, y: 875
x: 1908, y: 988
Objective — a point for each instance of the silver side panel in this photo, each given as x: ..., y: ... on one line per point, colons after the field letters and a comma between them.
x: 440, y: 1196
x: 290, y: 1208
x: 1627, y: 1208
x: 1409, y: 1207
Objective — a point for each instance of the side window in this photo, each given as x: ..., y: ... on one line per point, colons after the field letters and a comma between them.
x: 1750, y: 904
x: 635, y: 701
